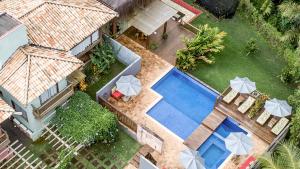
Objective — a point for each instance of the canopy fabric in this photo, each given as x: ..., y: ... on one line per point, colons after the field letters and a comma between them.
x: 190, y: 159
x: 238, y: 143
x: 278, y: 108
x: 129, y: 85
x: 242, y: 85
x: 152, y: 17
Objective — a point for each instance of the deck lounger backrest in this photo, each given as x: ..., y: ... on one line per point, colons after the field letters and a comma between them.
x: 246, y: 105
x: 263, y: 118
x: 280, y: 125
x: 230, y: 96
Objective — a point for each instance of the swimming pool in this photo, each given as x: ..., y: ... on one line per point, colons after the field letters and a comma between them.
x: 213, y: 150
x: 184, y: 104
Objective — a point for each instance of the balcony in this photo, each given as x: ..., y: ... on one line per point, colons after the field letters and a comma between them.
x: 4, y: 140
x: 54, y: 102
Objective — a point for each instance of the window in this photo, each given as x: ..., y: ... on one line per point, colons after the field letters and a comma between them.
x: 49, y: 93
x: 1, y: 94
x: 19, y: 109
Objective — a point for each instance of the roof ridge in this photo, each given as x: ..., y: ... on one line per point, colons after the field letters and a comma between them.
x: 60, y: 59
x: 82, y: 7
x: 27, y: 76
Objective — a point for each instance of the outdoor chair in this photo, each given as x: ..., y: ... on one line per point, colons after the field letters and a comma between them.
x: 280, y: 125
x: 246, y: 105
x: 230, y: 96
x: 262, y: 119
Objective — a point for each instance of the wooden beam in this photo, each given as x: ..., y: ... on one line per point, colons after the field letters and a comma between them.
x: 165, y: 27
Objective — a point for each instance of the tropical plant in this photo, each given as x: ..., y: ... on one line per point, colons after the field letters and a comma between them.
x: 285, y: 156
x: 291, y: 73
x: 102, y: 56
x: 294, y: 99
x: 207, y: 42
x: 295, y: 127
x: 251, y: 47
x: 291, y: 12
x: 266, y: 7
x: 260, y: 101
x: 86, y: 121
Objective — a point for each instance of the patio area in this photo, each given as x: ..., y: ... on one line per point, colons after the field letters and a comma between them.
x: 164, y: 48
x: 153, y: 68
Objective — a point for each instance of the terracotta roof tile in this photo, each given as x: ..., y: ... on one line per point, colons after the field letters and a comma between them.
x: 5, y: 110
x: 59, y: 24
x: 33, y: 70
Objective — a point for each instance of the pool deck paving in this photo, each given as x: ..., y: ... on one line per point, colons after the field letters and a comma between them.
x: 153, y: 68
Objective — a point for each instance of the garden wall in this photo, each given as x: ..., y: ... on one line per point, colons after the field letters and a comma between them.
x: 128, y: 58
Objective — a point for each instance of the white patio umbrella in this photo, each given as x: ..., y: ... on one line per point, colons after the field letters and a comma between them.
x: 238, y: 143
x: 190, y: 159
x: 242, y: 85
x: 129, y: 85
x: 278, y: 108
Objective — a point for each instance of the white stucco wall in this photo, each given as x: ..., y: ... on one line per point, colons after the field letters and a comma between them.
x: 85, y: 43
x: 10, y: 42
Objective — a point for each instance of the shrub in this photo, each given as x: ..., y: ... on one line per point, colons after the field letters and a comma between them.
x: 251, y: 47
x: 86, y: 121
x: 291, y: 73
x: 260, y: 101
x: 294, y: 100
x: 207, y: 42
x: 295, y: 127
x: 64, y: 158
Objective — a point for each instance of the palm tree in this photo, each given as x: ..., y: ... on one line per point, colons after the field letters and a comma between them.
x: 290, y: 11
x: 207, y: 42
x: 286, y: 156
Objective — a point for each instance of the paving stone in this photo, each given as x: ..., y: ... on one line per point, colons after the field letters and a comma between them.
x: 114, y: 167
x: 102, y: 157
x: 108, y: 163
x: 101, y: 167
x: 89, y: 157
x: 95, y: 163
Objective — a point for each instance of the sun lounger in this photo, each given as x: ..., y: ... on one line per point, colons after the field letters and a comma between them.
x: 246, y: 105
x: 230, y: 96
x: 280, y: 125
x: 263, y: 118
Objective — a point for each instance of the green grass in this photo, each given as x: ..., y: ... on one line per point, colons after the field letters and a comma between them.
x: 115, y: 69
x: 118, y: 153
x: 264, y: 67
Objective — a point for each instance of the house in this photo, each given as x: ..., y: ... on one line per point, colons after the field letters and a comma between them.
x: 42, y: 49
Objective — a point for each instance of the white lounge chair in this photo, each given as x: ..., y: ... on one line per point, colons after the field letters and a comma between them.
x: 279, y: 126
x: 263, y: 118
x: 246, y: 105
x: 230, y: 96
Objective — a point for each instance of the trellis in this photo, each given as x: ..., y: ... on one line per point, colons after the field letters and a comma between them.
x: 59, y: 142
x: 18, y: 157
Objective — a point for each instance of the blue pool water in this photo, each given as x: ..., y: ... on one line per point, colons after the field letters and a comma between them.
x: 184, y: 105
x: 213, y: 150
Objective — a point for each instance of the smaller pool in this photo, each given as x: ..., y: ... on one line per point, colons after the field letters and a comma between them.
x: 213, y: 150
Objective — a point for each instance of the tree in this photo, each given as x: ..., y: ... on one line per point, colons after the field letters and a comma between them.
x: 207, y: 42
x: 86, y: 121
x: 291, y: 72
x: 286, y: 156
x: 290, y: 11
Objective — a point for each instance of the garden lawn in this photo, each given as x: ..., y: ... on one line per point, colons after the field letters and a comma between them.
x: 114, y: 70
x: 115, y: 155
x: 264, y: 67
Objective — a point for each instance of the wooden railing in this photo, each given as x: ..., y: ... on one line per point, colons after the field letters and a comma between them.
x: 53, y: 102
x: 123, y: 118
x: 4, y: 140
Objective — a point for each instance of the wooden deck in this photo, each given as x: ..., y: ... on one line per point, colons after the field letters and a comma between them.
x: 214, y: 119
x: 263, y: 132
x: 198, y: 137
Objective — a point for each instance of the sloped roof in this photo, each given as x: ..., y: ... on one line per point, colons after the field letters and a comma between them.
x: 7, y: 23
x: 33, y: 70
x: 60, y: 24
x: 5, y: 110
